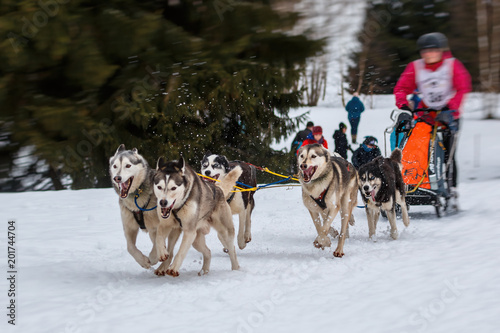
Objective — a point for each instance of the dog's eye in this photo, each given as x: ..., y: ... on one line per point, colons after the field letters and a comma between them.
x: 128, y: 166
x: 372, y: 177
x: 313, y: 156
x: 114, y: 166
x: 173, y: 188
x: 205, y: 165
x: 215, y: 165
x: 159, y: 187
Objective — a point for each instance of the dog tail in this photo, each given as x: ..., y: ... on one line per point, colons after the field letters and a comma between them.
x: 396, y: 155
x: 229, y: 181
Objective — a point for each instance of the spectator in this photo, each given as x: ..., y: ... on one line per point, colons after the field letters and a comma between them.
x: 340, y: 140
x: 366, y: 152
x: 301, y: 136
x: 354, y: 109
x: 316, y: 136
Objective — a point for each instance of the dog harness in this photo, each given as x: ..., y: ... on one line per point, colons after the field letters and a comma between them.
x: 321, y: 199
x: 139, y: 215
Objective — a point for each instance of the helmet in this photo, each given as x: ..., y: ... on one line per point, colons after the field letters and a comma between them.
x: 429, y: 41
x: 342, y: 125
x: 370, y: 140
x: 443, y: 41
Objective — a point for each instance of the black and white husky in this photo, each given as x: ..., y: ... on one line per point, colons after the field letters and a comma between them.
x: 241, y: 203
x: 132, y: 180
x: 382, y: 187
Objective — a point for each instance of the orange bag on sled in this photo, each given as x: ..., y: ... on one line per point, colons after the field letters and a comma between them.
x: 416, y: 156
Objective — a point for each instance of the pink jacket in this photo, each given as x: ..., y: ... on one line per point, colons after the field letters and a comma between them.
x: 461, y: 83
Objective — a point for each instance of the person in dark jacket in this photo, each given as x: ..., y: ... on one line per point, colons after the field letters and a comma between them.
x: 301, y: 136
x: 366, y: 152
x: 354, y: 109
x: 340, y: 139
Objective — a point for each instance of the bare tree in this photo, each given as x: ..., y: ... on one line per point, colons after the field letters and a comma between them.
x: 488, y: 26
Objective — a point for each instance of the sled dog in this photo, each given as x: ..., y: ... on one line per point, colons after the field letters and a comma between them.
x: 241, y: 203
x: 381, y: 186
x: 132, y: 177
x: 329, y: 184
x: 188, y: 204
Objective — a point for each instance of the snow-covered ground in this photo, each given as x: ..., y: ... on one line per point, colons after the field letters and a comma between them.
x: 75, y: 275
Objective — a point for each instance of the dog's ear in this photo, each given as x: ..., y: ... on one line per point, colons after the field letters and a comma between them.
x: 181, y: 165
x: 120, y: 149
x: 326, y: 153
x: 135, y: 151
x: 208, y: 153
x: 162, y: 161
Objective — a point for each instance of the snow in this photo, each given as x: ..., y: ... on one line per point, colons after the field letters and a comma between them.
x: 441, y: 275
x: 75, y: 274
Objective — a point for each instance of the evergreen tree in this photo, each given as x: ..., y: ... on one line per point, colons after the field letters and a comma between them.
x: 81, y: 77
x: 389, y: 35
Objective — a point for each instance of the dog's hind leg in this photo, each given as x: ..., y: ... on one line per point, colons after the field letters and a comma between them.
x: 200, y: 245
x: 242, y: 229
x: 225, y: 232
x: 404, y: 211
x: 372, y: 218
x: 391, y: 216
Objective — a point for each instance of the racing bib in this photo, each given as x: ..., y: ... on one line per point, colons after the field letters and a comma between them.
x: 436, y: 86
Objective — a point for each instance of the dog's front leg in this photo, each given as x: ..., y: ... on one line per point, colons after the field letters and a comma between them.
x: 131, y: 229
x: 162, y: 233
x: 345, y: 217
x: 153, y: 255
x: 391, y: 216
x: 187, y: 240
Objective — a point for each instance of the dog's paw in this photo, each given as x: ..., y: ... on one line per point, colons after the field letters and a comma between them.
x: 161, y: 270
x: 373, y: 238
x: 162, y: 254
x: 172, y: 272
x: 144, y: 262
x: 394, y: 234
x: 333, y: 232
x: 322, y: 241
x: 202, y: 272
x: 241, y: 243
x: 338, y: 253
x: 225, y: 250
x: 153, y: 258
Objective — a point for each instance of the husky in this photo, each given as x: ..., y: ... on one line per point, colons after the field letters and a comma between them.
x: 329, y: 184
x: 188, y: 204
x: 381, y: 186
x: 132, y: 180
x: 241, y: 203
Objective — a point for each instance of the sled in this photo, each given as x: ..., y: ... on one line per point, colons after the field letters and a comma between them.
x: 425, y: 173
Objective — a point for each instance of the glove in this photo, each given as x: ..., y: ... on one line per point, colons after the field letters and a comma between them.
x: 405, y: 107
x: 446, y: 117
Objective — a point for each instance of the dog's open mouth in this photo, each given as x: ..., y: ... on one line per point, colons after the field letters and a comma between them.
x: 308, y: 173
x: 212, y: 179
x: 125, y: 187
x: 370, y: 194
x: 165, y: 211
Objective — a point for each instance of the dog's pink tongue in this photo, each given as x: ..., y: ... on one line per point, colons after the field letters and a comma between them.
x: 373, y: 195
x: 308, y: 173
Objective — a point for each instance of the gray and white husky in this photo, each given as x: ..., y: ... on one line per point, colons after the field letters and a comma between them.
x: 329, y: 184
x: 382, y: 187
x: 132, y: 180
x: 188, y: 204
x: 241, y: 203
